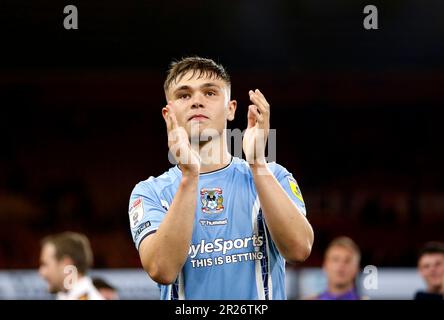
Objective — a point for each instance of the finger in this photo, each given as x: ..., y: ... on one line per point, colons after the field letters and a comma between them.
x: 171, y: 104
x: 254, y: 115
x: 172, y: 115
x: 262, y: 98
x: 258, y: 102
x: 262, y: 102
x: 251, y: 117
x: 175, y: 125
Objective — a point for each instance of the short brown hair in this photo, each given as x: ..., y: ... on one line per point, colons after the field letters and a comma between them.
x: 347, y: 243
x: 200, y: 66
x: 431, y: 248
x: 73, y: 245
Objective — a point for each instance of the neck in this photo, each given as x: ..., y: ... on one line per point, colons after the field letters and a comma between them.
x: 214, y: 154
x: 338, y: 290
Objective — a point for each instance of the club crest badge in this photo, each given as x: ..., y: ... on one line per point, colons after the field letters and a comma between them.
x: 212, y: 200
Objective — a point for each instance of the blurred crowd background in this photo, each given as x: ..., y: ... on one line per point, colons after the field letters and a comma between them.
x: 358, y: 115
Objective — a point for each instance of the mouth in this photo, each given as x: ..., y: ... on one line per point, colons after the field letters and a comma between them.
x: 198, y: 117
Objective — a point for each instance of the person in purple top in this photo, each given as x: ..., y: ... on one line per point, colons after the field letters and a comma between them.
x: 349, y: 295
x: 341, y: 265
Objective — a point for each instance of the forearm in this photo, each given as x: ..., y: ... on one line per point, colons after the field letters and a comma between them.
x: 169, y: 246
x: 289, y: 229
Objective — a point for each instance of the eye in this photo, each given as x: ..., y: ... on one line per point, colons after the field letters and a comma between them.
x: 211, y: 93
x: 184, y: 96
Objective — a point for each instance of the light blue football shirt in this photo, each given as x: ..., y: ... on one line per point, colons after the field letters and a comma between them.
x: 232, y: 255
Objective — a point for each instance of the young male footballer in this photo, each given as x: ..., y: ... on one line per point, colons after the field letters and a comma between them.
x: 215, y: 226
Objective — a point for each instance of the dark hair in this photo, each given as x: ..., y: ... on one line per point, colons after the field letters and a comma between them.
x: 100, y: 283
x: 73, y: 245
x: 200, y: 66
x: 430, y: 248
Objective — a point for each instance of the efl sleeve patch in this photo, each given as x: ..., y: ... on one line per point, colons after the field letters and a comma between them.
x: 136, y: 212
x: 295, y: 188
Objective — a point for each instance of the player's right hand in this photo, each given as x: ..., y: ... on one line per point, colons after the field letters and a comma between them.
x: 179, y: 143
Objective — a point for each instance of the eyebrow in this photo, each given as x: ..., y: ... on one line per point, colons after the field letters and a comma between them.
x: 205, y: 85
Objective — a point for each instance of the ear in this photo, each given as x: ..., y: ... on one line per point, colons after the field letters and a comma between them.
x: 66, y: 261
x: 232, y: 105
x: 164, y: 113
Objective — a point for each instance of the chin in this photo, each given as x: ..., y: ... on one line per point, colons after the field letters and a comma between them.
x: 436, y: 284
x: 53, y: 289
x: 342, y: 282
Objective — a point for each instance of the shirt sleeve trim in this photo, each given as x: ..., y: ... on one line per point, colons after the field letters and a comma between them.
x: 144, y: 236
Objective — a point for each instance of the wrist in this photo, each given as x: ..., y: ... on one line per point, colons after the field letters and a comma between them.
x: 189, y: 172
x: 259, y: 168
x: 189, y: 178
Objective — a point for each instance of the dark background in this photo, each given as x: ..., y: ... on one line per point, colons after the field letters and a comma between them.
x: 358, y: 114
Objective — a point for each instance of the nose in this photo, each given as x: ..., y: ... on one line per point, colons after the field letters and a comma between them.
x: 197, y: 101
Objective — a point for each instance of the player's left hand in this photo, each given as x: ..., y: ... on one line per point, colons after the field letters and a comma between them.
x: 256, y: 135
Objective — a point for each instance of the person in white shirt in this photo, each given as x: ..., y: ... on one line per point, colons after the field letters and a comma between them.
x: 64, y: 262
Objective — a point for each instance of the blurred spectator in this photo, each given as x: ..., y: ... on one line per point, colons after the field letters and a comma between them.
x: 107, y: 291
x: 431, y: 268
x: 341, y: 265
x: 64, y: 262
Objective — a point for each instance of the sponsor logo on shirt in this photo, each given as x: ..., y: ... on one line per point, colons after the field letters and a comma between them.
x: 205, y: 223
x: 141, y: 228
x: 224, y: 246
x: 211, y: 200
